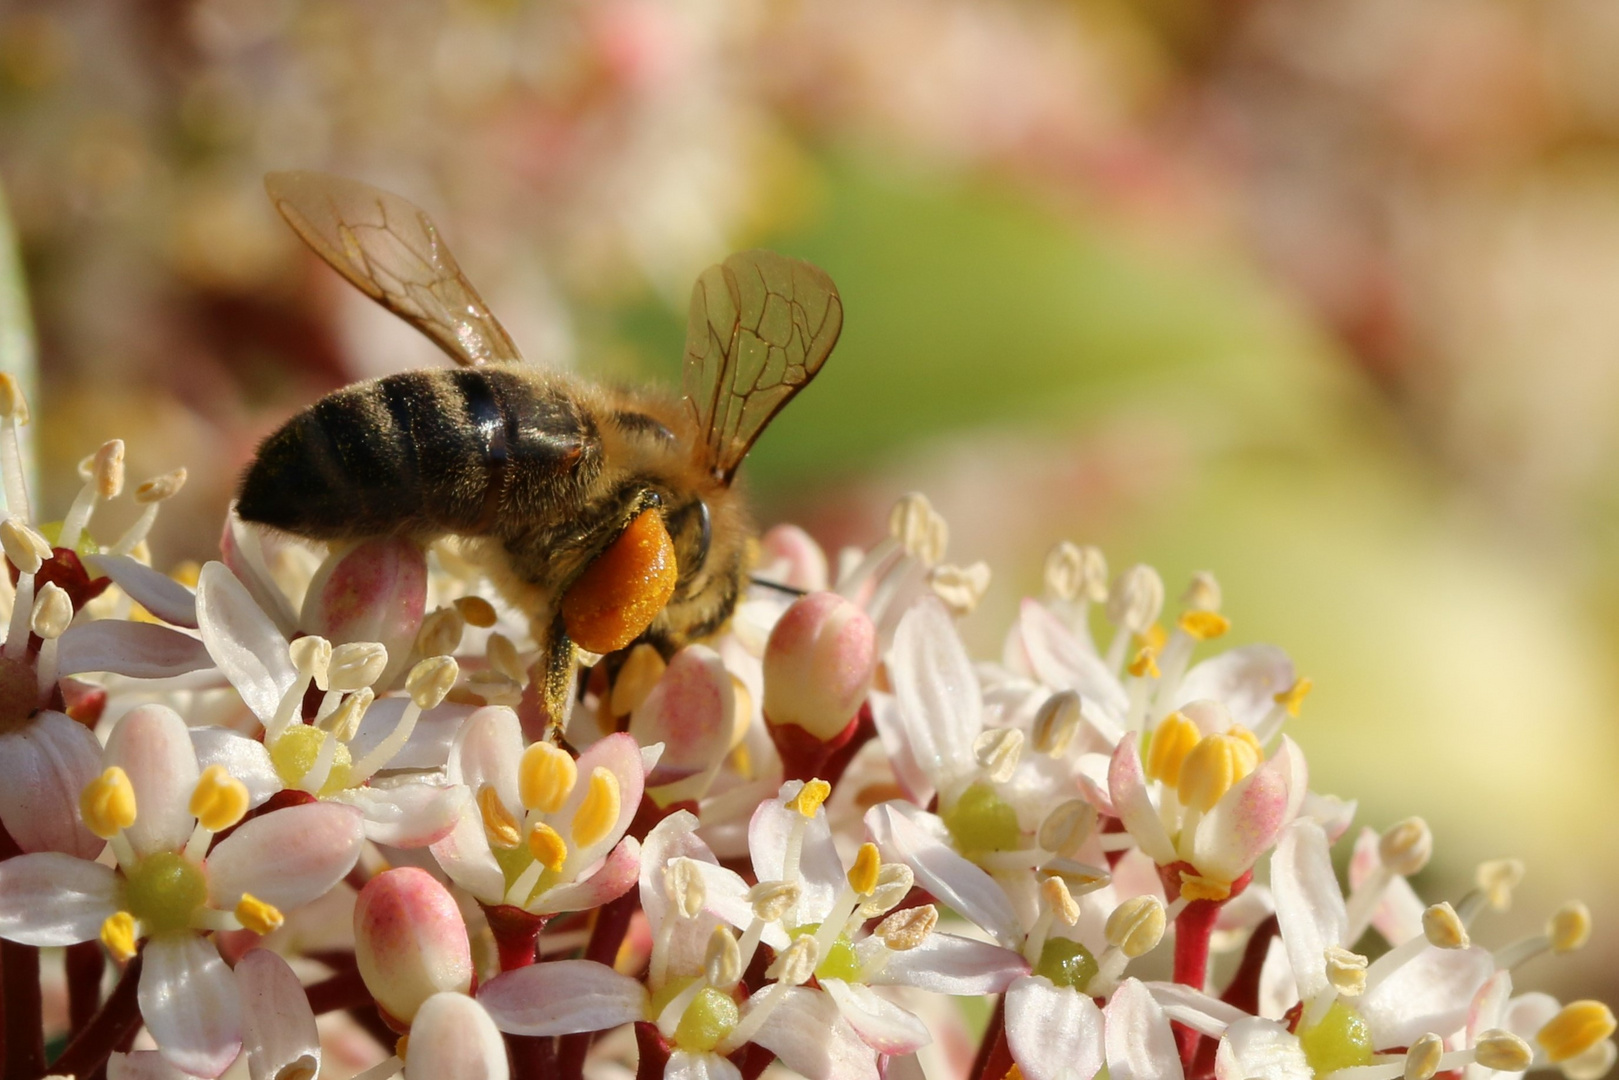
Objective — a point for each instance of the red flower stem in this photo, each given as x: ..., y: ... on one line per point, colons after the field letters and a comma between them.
x: 25, y: 1035
x: 118, y: 1020
x: 517, y: 933
x: 1192, y: 932
x: 612, y: 923
x: 654, y: 1052
x: 533, y: 1057
x: 1243, y: 989
x: 344, y: 990
x: 85, y: 963
x: 993, y: 1048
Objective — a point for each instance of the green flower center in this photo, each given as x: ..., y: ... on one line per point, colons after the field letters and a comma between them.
x: 982, y: 821
x: 1340, y: 1041
x: 839, y: 962
x: 163, y: 890
x: 296, y: 751
x: 706, y: 1021
x: 1067, y: 963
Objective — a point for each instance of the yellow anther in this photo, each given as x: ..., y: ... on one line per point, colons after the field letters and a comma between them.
x: 26, y: 549
x: 1443, y: 927
x: 107, y: 803
x: 1213, y: 768
x: 1145, y: 664
x: 430, y: 680
x: 1137, y: 926
x: 257, y: 916
x: 476, y: 611
x: 1056, y: 722
x: 53, y: 610
x: 312, y: 656
x: 159, y: 488
x: 810, y: 797
x: 1422, y: 1060
x: 545, y: 777
x: 1498, y: 1049
x: 907, y: 929
x: 863, y: 875
x: 894, y: 883
x: 1066, y: 828
x: 1406, y: 847
x: 344, y: 721
x: 997, y: 751
x: 773, y: 899
x: 13, y: 405
x: 1058, y: 900
x: 1578, y: 1027
x: 1014, y: 1073
x: 1172, y: 741
x: 1153, y: 638
x: 504, y: 658
x: 722, y: 960
x: 598, y: 813
x: 1498, y: 878
x: 498, y: 823
x: 1200, y: 887
x: 1346, y: 971
x: 1203, y: 593
x: 1237, y: 731
x: 1204, y: 625
x: 118, y: 935
x: 107, y: 469
x: 219, y: 800
x: 547, y: 846
x: 641, y: 671
x: 441, y: 632
x: 1292, y: 699
x: 402, y: 1048
x: 1569, y: 928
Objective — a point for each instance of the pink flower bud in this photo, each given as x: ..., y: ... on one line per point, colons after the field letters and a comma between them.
x: 692, y: 711
x: 410, y: 941
x: 791, y: 556
x: 375, y: 591
x: 819, y: 664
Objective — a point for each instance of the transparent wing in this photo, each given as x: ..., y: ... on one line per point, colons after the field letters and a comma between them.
x: 391, y: 250
x: 761, y: 326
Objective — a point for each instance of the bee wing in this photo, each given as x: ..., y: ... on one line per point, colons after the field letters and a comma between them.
x: 761, y: 326
x: 390, y: 249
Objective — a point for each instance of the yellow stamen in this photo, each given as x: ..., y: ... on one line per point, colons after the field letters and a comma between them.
x: 1172, y: 740
x: 1153, y: 638
x: 118, y: 935
x: 1058, y: 900
x: 1014, y: 1073
x: 219, y: 800
x: 863, y: 875
x: 476, y: 611
x: 1292, y: 699
x: 1204, y: 625
x: 1213, y: 768
x: 641, y: 671
x: 1145, y: 664
x: 598, y: 813
x: 257, y: 916
x: 1569, y: 928
x: 107, y: 803
x: 498, y: 822
x: 1237, y: 731
x: 810, y: 797
x: 545, y: 777
x: 402, y: 1047
x: 547, y: 846
x: 1198, y: 887
x: 1578, y: 1027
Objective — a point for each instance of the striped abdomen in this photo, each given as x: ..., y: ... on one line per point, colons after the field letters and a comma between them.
x: 423, y: 452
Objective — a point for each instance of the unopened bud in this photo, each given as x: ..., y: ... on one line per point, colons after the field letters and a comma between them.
x: 1443, y: 927
x: 997, y: 751
x: 960, y: 587
x: 1137, y: 926
x: 410, y: 941
x: 771, y: 900
x: 1497, y: 1049
x: 1346, y: 971
x: 356, y: 664
x: 107, y: 469
x: 1406, y: 847
x: 52, y: 611
x: 909, y: 928
x: 1136, y: 599
x: 1065, y: 829
x: 1422, y: 1060
x: 13, y: 405
x: 1569, y: 928
x: 430, y: 680
x: 796, y: 963
x: 161, y: 488
x: 818, y: 665
x: 722, y: 962
x: 1498, y: 877
x: 1203, y: 593
x: 683, y: 884
x: 1057, y: 722
x: 26, y: 549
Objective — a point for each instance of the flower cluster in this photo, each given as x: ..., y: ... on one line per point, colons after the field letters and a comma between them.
x: 293, y: 783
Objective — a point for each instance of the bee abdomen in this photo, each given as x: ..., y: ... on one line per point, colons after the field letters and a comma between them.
x: 421, y: 452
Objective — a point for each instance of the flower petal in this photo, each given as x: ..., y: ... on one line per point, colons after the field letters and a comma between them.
x: 143, y: 1065
x: 1256, y: 1049
x: 453, y: 1038
x: 937, y: 690
x: 190, y: 1003
x: 244, y: 758
x: 882, y: 1025
x: 1062, y: 661
x: 959, y: 885
x: 153, y: 747
x: 54, y: 899
x: 465, y: 856
x: 286, y: 857
x: 1054, y: 1033
x: 1430, y: 992
x: 620, y: 755
x: 376, y: 591
x: 430, y: 740
x: 1309, y: 905
x: 1244, y: 824
x: 691, y: 710
x: 812, y: 1038
x: 243, y: 640
x: 278, y: 1028
x: 487, y: 751
x: 46, y: 764
x: 684, y: 1065
x: 1127, y: 788
x: 1140, y: 1044
x: 561, y: 997
x: 139, y: 650
x: 1245, y: 680
x: 410, y: 814
x: 617, y: 876
x: 820, y: 869
x: 948, y: 964
x: 156, y: 592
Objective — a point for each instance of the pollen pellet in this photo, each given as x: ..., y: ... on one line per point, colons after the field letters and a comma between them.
x: 619, y: 594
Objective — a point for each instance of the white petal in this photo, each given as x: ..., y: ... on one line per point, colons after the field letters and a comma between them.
x: 1054, y: 1032
x: 487, y: 751
x: 408, y: 815
x: 452, y: 1038
x: 1244, y: 824
x: 243, y: 641
x: 882, y: 1025
x: 1197, y: 1010
x: 1127, y: 790
x: 55, y: 899
x: 1309, y: 906
x: 139, y: 650
x: 158, y: 593
x: 465, y: 856
x: 1140, y: 1044
x: 244, y: 758
x: 959, y: 885
x: 673, y: 837
x: 820, y: 868
x: 142, y: 1065
x: 619, y: 755
x: 278, y: 1029
x: 895, y: 738
x: 153, y: 746
x: 1062, y: 661
x: 810, y: 1036
x: 936, y: 688
x: 1255, y: 1049
x: 1489, y: 1006
x: 1245, y: 680
x: 616, y: 876
x: 684, y: 1065
x: 430, y: 740
x: 286, y: 857
x: 190, y: 1003
x: 947, y: 964
x: 1431, y: 992
x: 46, y: 764
x: 561, y: 997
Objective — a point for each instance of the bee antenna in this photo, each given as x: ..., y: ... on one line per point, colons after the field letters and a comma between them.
x: 778, y: 586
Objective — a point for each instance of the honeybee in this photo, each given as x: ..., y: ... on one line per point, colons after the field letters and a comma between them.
x: 541, y: 472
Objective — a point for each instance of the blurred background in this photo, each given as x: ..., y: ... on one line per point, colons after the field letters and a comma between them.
x: 1321, y: 297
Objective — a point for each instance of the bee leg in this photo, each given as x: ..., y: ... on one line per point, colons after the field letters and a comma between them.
x: 555, y: 676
